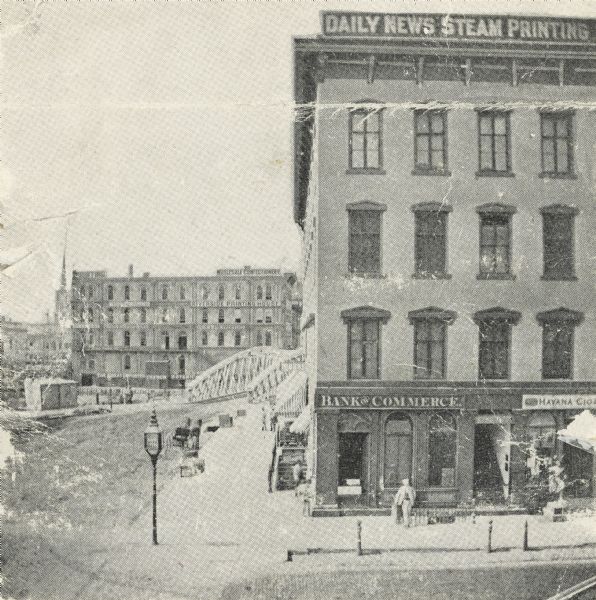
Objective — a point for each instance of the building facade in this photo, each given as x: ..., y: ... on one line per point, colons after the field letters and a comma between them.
x: 153, y: 331
x: 444, y: 184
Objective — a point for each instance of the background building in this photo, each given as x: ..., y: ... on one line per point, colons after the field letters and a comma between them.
x: 161, y: 331
x: 444, y: 182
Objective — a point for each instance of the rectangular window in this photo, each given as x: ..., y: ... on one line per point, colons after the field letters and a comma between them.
x: 268, y: 294
x: 494, y: 350
x: 494, y: 138
x: 204, y: 338
x: 127, y: 338
x: 220, y: 316
x: 557, y: 143
x: 110, y: 338
x: 182, y: 315
x: 364, y: 349
x: 237, y: 294
x: 268, y: 315
x: 143, y: 293
x: 182, y: 341
x: 259, y: 315
x: 220, y: 338
x: 237, y: 315
x: 365, y: 140
x: 205, y: 316
x: 143, y: 338
x: 431, y: 243
x: 557, y: 350
x: 429, y: 349
x: 495, y: 244
x: 558, y: 234
x: 365, y: 241
x: 182, y: 293
x: 430, y: 140
x: 143, y: 315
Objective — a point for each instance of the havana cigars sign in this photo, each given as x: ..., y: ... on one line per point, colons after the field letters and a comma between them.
x: 477, y: 27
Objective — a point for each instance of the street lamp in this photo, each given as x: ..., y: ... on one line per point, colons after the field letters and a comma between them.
x: 153, y: 446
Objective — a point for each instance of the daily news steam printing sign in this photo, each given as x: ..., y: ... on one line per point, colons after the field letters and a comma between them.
x: 448, y: 26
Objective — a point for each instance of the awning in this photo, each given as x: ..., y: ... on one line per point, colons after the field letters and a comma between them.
x: 581, y: 432
x: 302, y: 422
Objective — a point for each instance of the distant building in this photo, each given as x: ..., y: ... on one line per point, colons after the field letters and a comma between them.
x: 14, y: 340
x: 159, y: 331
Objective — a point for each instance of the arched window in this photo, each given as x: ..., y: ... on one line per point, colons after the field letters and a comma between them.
x: 220, y: 316
x: 110, y: 292
x: 220, y: 338
x: 127, y: 362
x: 164, y: 292
x: 143, y: 315
x: 442, y: 448
x: 237, y: 338
x: 238, y: 293
x: 398, y: 450
x: 166, y: 340
x: 127, y: 338
x: 204, y: 338
x: 143, y: 293
x: 259, y: 292
x: 268, y: 294
x: 221, y: 292
x: 259, y: 339
x: 205, y: 293
x: 127, y: 292
x: 267, y: 338
x: 181, y: 365
x: 542, y: 429
x: 182, y: 340
x: 110, y: 315
x: 126, y: 315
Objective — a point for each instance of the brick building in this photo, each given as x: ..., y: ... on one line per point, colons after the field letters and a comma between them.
x: 159, y: 331
x: 444, y: 183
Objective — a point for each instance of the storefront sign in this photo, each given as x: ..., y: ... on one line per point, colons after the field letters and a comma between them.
x: 390, y: 402
x: 558, y: 401
x: 473, y: 27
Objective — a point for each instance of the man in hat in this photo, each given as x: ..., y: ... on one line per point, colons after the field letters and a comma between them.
x: 405, y: 497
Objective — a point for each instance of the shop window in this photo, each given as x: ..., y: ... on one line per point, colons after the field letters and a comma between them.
x: 398, y: 450
x: 237, y: 339
x: 221, y: 293
x: 494, y: 342
x: 182, y: 315
x: 495, y: 241
x: 259, y: 338
x: 364, y: 341
x: 164, y: 292
x: 127, y: 339
x: 430, y: 141
x: 237, y: 315
x: 558, y: 327
x: 220, y: 316
x: 110, y: 292
x: 143, y: 338
x: 430, y: 342
x: 110, y: 338
x: 557, y: 143
x: 267, y: 338
x: 126, y: 315
x: 127, y: 362
x: 220, y: 338
x: 352, y: 459
x: 430, y: 251
x: 558, y: 242
x: 204, y: 338
x: 143, y: 315
x: 364, y: 242
x: 182, y: 341
x: 181, y: 365
x: 442, y: 448
x: 259, y: 292
x: 127, y: 292
x: 143, y: 293
x: 542, y: 430
x: 494, y: 143
x: 205, y: 316
x: 365, y: 144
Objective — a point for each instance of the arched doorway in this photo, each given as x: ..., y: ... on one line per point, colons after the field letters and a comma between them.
x: 398, y: 450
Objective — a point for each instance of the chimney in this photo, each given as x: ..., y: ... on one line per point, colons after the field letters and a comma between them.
x: 130, y: 271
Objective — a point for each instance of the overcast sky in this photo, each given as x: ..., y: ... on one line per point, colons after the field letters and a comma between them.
x: 159, y: 133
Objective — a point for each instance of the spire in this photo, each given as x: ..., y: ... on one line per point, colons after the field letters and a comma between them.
x: 63, y: 273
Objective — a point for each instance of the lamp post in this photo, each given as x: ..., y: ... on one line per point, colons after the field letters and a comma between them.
x: 153, y: 446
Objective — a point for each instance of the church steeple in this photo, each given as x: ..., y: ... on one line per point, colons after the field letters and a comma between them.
x: 63, y: 273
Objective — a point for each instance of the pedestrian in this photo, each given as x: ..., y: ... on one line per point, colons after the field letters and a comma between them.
x: 297, y: 474
x: 405, y: 498
x: 195, y: 434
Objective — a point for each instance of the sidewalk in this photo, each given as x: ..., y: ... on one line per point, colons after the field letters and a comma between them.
x: 223, y: 525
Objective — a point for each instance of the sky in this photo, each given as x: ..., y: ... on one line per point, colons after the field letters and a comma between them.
x: 158, y: 134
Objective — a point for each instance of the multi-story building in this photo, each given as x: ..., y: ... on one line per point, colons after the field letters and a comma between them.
x: 444, y: 183
x: 159, y: 331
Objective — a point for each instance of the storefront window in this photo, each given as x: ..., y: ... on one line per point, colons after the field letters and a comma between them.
x: 442, y: 447
x: 542, y: 429
x: 398, y: 450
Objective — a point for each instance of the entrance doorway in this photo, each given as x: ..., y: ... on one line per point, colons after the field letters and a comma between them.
x: 352, y: 468
x: 492, y: 447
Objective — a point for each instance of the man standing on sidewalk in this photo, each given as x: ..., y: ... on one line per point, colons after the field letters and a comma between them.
x: 405, y: 497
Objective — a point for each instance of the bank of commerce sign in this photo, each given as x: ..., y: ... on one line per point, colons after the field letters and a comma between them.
x: 449, y: 26
x: 558, y: 401
x: 388, y: 402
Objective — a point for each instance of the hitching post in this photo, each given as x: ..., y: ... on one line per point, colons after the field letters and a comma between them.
x: 525, y: 546
x: 359, y: 538
x: 489, y: 547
